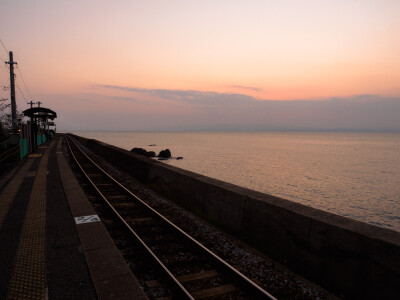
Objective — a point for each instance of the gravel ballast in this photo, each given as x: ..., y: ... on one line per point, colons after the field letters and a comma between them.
x: 278, y: 280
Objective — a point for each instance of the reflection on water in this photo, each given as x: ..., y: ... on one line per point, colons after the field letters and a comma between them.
x: 356, y: 175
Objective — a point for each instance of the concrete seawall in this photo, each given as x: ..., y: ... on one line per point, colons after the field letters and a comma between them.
x: 350, y: 258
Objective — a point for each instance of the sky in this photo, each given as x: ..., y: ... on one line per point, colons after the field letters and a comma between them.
x: 206, y: 65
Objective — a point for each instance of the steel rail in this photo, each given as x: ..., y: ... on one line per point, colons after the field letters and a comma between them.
x: 251, y: 287
x: 179, y: 287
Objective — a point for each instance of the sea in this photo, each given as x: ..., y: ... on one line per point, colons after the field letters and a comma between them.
x: 355, y: 175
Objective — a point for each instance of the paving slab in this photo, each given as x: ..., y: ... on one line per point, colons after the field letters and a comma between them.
x: 44, y: 252
x: 104, y: 260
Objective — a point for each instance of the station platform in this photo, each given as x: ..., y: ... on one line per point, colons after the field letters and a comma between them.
x: 52, y: 244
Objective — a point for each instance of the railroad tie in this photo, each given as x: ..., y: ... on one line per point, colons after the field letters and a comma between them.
x: 116, y: 197
x: 213, y: 292
x: 96, y: 175
x: 197, y: 276
x: 125, y: 205
x: 138, y: 220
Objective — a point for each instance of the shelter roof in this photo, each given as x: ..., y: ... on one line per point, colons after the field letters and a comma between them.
x: 40, y: 113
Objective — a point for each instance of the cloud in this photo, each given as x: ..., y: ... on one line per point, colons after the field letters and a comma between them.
x: 188, y: 96
x: 130, y: 99
x: 246, y: 88
x: 198, y: 110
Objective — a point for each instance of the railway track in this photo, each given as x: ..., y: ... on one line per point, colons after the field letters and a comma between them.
x: 188, y: 269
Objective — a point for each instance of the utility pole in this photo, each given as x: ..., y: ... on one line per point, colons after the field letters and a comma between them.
x: 13, y: 103
x: 33, y: 135
x: 31, y: 103
x: 38, y: 104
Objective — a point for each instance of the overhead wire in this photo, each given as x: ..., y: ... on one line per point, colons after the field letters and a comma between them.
x: 20, y: 73
x: 4, y: 60
x: 1, y: 66
x: 21, y: 92
x: 3, y: 79
x: 7, y: 108
x: 26, y: 87
x: 4, y: 68
x: 4, y: 46
x: 2, y: 56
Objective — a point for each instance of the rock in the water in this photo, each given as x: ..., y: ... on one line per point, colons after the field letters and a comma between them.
x: 143, y: 152
x: 152, y: 145
x: 151, y: 154
x: 179, y: 157
x: 139, y: 151
x: 165, y: 153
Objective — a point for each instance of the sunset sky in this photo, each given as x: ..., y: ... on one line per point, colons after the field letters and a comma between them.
x: 207, y: 65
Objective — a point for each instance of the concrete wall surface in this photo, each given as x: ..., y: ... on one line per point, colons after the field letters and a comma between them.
x: 353, y: 259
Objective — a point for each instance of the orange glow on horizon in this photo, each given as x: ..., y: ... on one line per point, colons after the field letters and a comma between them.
x: 266, y: 50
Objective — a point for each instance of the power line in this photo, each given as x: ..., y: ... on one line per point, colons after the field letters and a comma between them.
x: 2, y: 56
x: 21, y: 93
x: 4, y: 68
x: 4, y: 60
x: 4, y: 46
x: 22, y: 77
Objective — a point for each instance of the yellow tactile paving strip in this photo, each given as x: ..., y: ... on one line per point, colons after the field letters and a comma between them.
x: 31, y: 174
x: 28, y: 280
x: 8, y: 194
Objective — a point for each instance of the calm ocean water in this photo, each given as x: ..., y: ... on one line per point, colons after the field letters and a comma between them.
x: 355, y: 175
